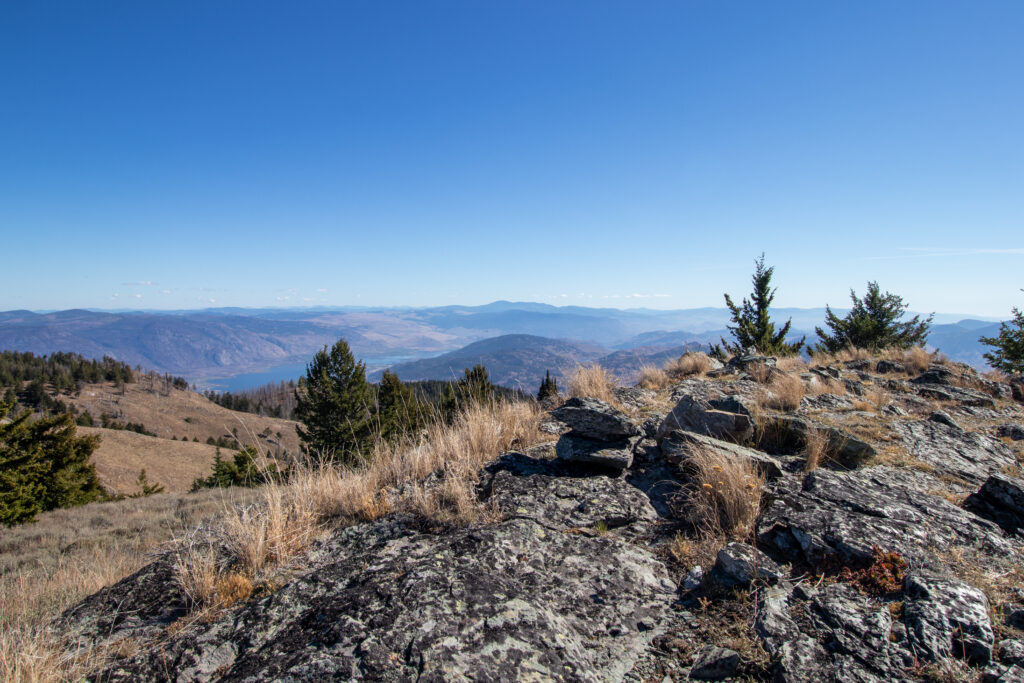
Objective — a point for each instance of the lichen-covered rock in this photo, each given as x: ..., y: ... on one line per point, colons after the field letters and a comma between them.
x: 970, y: 456
x: 1001, y: 673
x: 613, y: 454
x: 847, y: 514
x: 512, y: 600
x: 947, y: 618
x: 563, y: 497
x: 714, y: 663
x: 1014, y: 432
x: 1011, y: 651
x: 737, y: 564
x: 696, y: 415
x: 788, y: 434
x: 592, y: 418
x: 679, y: 447
x: 1001, y: 499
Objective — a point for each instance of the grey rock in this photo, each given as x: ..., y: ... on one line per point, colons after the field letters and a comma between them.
x: 738, y: 564
x: 679, y: 446
x: 773, y: 622
x: 558, y: 497
x: 858, y: 628
x: 942, y: 417
x: 803, y: 660
x: 965, y: 397
x: 714, y: 663
x: 734, y: 404
x: 594, y: 419
x: 696, y: 415
x: 1014, y: 432
x: 970, y: 456
x: 946, y: 619
x: 1017, y: 389
x: 846, y: 514
x: 788, y: 434
x: 936, y: 374
x: 694, y: 578
x: 651, y: 424
x: 826, y: 402
x: 1011, y: 651
x: 614, y: 454
x: 1001, y: 673
x: 1015, y: 617
x: 553, y: 427
x: 1000, y: 499
x: 890, y: 367
x: 511, y: 600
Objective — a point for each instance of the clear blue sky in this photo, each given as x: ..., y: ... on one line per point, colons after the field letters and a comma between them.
x: 188, y: 154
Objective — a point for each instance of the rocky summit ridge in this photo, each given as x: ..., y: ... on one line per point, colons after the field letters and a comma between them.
x: 900, y: 557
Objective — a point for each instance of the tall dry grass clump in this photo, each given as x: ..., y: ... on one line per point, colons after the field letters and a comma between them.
x: 725, y: 494
x: 689, y: 364
x: 592, y: 380
x: 784, y: 393
x: 815, y: 448
x: 917, y: 359
x: 653, y: 378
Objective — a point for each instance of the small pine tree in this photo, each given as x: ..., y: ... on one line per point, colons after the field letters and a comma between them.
x: 753, y: 328
x: 1008, y: 346
x: 145, y: 488
x: 548, y: 387
x: 399, y: 412
x: 43, y: 466
x: 873, y: 324
x: 333, y: 403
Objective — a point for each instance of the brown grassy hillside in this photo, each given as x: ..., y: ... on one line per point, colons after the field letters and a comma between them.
x: 186, y: 416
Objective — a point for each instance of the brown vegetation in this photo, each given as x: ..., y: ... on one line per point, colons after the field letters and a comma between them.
x: 653, y: 378
x: 592, y: 380
x: 784, y: 393
x: 689, y: 364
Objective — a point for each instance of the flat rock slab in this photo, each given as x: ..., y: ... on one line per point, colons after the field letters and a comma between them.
x: 738, y: 564
x: 612, y: 454
x: 847, y: 514
x: 509, y: 601
x: 594, y: 419
x: 970, y: 456
x: 697, y: 415
x: 947, y: 618
x: 679, y: 446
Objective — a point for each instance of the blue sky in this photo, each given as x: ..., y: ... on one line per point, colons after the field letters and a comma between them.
x: 189, y: 154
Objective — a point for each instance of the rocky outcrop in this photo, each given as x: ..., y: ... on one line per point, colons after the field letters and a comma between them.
x: 577, y: 568
x: 1000, y: 499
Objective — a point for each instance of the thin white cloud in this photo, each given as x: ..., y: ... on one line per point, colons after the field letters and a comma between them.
x: 114, y: 295
x: 138, y: 296
x: 165, y: 291
x: 141, y: 283
x: 321, y: 290
x: 930, y: 252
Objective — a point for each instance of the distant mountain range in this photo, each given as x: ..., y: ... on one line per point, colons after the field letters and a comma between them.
x: 515, y: 340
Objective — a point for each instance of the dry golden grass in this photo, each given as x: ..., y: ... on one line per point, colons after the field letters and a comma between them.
x: 690, y: 363
x: 872, y: 400
x: 791, y: 364
x: 726, y: 494
x: 66, y: 555
x: 784, y: 393
x: 820, y: 385
x: 700, y: 550
x: 759, y: 372
x: 917, y: 359
x: 591, y: 380
x: 815, y: 449
x: 653, y: 378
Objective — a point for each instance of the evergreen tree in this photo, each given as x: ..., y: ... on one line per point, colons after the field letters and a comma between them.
x: 43, y: 466
x: 333, y: 403
x: 873, y: 324
x: 242, y: 470
x: 1008, y: 346
x: 399, y: 412
x: 548, y: 387
x: 753, y: 328
x: 473, y: 387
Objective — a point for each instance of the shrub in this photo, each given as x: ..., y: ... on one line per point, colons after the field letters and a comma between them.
x: 725, y: 493
x: 873, y: 324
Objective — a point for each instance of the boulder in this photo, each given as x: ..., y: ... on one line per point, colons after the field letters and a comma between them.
x: 714, y: 663
x: 946, y: 619
x: 1011, y: 651
x: 1000, y: 499
x: 678, y: 447
x: 738, y: 564
x: 613, y: 454
x: 858, y: 629
x: 381, y: 601
x: 942, y: 417
x: 886, y: 367
x: 592, y: 418
x: 696, y: 415
x: 1017, y: 389
x: 1013, y: 432
x: 1001, y: 673
x: 788, y: 434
